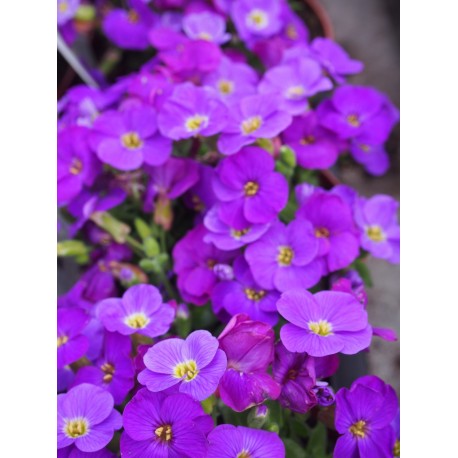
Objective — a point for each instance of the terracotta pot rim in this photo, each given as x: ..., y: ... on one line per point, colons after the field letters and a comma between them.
x: 323, y: 17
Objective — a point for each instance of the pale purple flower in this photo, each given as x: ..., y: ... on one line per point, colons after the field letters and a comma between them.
x: 206, y: 26
x: 71, y: 343
x: 66, y: 10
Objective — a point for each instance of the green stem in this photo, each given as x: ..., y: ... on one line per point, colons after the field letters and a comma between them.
x: 137, y: 246
x: 168, y: 286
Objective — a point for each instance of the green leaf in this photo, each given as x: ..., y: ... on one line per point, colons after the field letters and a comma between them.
x: 151, y: 247
x: 363, y: 271
x: 316, y: 446
x: 143, y: 229
x: 293, y: 449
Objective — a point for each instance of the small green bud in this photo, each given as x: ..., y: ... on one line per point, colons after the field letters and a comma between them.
x: 144, y: 231
x: 85, y: 13
x: 151, y: 247
x: 117, y: 229
x: 287, y: 156
x: 72, y: 248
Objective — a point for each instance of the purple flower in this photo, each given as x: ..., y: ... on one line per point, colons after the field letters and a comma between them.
x: 168, y: 427
x: 225, y: 237
x: 228, y: 441
x: 113, y: 370
x: 76, y: 164
x: 373, y: 158
x: 377, y: 219
x: 191, y: 111
x: 73, y: 452
x: 352, y: 283
x: 315, y: 147
x: 334, y: 59
x: 249, y: 189
x: 255, y: 116
x: 256, y: 18
x: 334, y: 229
x: 194, y: 366
x: 295, y: 372
x: 66, y: 10
x: 249, y: 347
x: 141, y: 310
x: 201, y: 196
x: 284, y: 257
x: 193, y: 263
x: 126, y: 139
x: 363, y: 416
x: 243, y: 295
x: 86, y: 418
x: 71, y: 344
x: 294, y: 83
x: 357, y: 110
x: 324, y: 323
x: 206, y: 26
x: 324, y: 394
x: 232, y: 81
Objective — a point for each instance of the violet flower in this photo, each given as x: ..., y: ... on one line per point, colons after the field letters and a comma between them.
x: 66, y: 10
x: 206, y: 26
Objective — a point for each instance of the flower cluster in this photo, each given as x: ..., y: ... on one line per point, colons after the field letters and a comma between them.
x: 221, y: 275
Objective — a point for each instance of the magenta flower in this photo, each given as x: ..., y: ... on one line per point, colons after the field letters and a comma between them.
x: 126, y: 139
x: 113, y: 370
x: 324, y: 323
x: 228, y: 441
x: 334, y: 229
x: 71, y: 344
x: 249, y: 189
x: 314, y: 146
x: 76, y: 164
x: 206, y: 26
x: 167, y: 427
x: 191, y: 111
x: 193, y: 263
x: 243, y: 295
x: 285, y: 257
x: 249, y: 346
x: 86, y: 418
x: 193, y: 366
x: 255, y: 116
x: 363, y: 416
x: 295, y: 82
x: 140, y: 310
x: 377, y: 219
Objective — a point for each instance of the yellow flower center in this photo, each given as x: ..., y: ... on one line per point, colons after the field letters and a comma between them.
x: 291, y: 32
x: 61, y: 340
x: 358, y: 429
x: 285, y: 256
x: 365, y: 148
x: 76, y: 428
x: 397, y: 449
x: 164, y: 433
x: 137, y: 320
x: 295, y: 92
x: 197, y: 203
x: 226, y: 87
x: 244, y: 454
x: 205, y: 36
x: 109, y: 370
x: 76, y: 166
x: 131, y: 140
x: 353, y: 120
x: 63, y: 7
x: 239, y: 233
x: 292, y: 374
x: 195, y: 122
x: 187, y: 370
x: 254, y: 295
x: 132, y: 16
x: 307, y: 140
x: 258, y: 18
x: 321, y: 233
x: 251, y: 125
x: 251, y: 188
x: 375, y: 233
x: 211, y: 263
x: 321, y: 328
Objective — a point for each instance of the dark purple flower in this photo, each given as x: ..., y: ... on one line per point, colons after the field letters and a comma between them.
x: 294, y: 82
x: 193, y: 263
x: 363, y: 416
x: 334, y: 59
x: 65, y: 377
x: 314, y: 146
x: 113, y: 370
x: 76, y: 164
x: 66, y: 10
x: 74, y: 452
x: 255, y: 116
x: 86, y: 418
x: 126, y: 139
x: 249, y: 189
x: 373, y: 158
x: 243, y: 295
x: 193, y: 366
x: 351, y: 283
x: 334, y: 229
x: 285, y: 257
x: 324, y: 323
x: 201, y: 196
x: 377, y: 219
x: 324, y: 394
x: 249, y: 347
x: 141, y: 310
x: 228, y: 441
x: 167, y: 427
x: 71, y: 344
x: 206, y: 26
x: 191, y: 111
